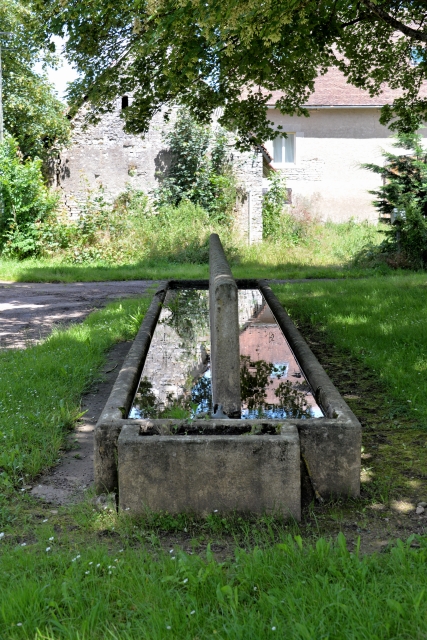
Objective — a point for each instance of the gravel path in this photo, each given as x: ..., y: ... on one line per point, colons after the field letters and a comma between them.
x: 29, y: 311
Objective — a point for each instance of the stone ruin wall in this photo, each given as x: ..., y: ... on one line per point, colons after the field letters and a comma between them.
x: 103, y: 155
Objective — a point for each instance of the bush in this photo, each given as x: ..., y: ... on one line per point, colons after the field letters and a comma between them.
x: 130, y: 229
x: 200, y: 170
x: 104, y: 232
x: 403, y: 197
x: 25, y: 203
x: 409, y: 236
x: 280, y: 225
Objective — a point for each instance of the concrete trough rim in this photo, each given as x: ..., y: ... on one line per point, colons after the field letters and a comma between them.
x: 339, y: 424
x: 119, y: 403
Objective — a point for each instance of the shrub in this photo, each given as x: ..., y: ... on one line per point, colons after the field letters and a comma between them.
x: 25, y: 202
x: 104, y: 232
x: 279, y: 224
x: 409, y: 236
x: 200, y: 170
x: 131, y: 229
x: 403, y: 197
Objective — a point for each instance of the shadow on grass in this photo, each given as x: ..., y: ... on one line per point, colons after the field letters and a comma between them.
x: 380, y: 322
x: 51, y: 271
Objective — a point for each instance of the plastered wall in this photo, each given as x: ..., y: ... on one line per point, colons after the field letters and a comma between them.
x: 331, y: 145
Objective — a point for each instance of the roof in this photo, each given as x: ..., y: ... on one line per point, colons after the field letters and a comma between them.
x: 333, y: 90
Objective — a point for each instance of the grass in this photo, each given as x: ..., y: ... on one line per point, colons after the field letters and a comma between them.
x: 284, y: 590
x: 383, y: 322
x: 41, y: 387
x: 326, y: 252
x: 226, y: 577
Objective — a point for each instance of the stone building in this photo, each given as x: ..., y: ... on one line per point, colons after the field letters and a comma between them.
x: 321, y: 158
x: 104, y: 155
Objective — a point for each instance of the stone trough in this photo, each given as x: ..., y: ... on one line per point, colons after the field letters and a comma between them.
x: 223, y: 462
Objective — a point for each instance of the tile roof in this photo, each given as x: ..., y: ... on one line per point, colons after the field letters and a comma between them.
x: 332, y: 89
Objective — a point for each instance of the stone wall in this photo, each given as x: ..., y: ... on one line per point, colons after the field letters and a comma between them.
x: 248, y: 169
x: 104, y: 155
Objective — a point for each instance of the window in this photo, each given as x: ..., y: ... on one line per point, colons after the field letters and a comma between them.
x: 284, y: 149
x: 125, y: 102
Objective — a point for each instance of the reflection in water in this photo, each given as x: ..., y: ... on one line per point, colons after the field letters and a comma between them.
x: 178, y: 356
x: 256, y: 377
x: 176, y: 380
x: 189, y: 315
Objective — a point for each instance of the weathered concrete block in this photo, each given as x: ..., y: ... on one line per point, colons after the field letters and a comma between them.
x: 224, y: 328
x: 329, y: 446
x: 120, y: 400
x: 258, y: 474
x: 330, y: 451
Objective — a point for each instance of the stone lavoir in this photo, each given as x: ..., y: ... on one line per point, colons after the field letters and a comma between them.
x: 220, y: 405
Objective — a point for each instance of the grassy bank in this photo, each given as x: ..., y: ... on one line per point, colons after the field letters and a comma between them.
x: 382, y: 322
x: 326, y: 252
x: 41, y: 388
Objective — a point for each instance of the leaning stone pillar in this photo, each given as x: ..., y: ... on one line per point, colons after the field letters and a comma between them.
x: 224, y: 326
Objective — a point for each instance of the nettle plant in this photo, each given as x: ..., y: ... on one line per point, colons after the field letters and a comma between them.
x: 200, y: 169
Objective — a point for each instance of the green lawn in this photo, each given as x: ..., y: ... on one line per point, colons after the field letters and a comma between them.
x: 51, y: 271
x: 51, y: 591
x: 326, y: 252
x: 86, y: 572
x: 383, y: 322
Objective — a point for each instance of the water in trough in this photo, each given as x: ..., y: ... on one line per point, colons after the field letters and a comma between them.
x: 176, y: 383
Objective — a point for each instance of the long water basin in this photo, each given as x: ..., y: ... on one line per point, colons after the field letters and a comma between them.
x: 176, y: 381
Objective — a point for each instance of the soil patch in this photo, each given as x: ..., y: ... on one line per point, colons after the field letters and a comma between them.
x: 68, y: 480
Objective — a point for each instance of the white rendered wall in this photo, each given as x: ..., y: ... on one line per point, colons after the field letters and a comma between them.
x: 330, y: 147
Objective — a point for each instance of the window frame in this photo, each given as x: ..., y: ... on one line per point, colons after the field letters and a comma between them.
x: 283, y: 163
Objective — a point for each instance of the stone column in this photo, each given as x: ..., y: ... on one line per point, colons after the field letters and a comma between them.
x: 224, y: 326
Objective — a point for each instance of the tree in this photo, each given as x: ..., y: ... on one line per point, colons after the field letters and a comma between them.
x: 206, y: 54
x: 33, y: 115
x: 200, y: 170
x: 403, y: 196
x: 404, y: 176
x: 26, y: 202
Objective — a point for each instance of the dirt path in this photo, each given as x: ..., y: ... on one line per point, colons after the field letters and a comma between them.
x: 29, y: 311
x: 67, y: 481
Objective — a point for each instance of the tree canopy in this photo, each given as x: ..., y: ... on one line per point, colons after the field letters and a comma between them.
x: 206, y: 54
x: 33, y: 114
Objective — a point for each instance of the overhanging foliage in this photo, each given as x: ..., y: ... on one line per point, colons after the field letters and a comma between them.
x: 203, y: 53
